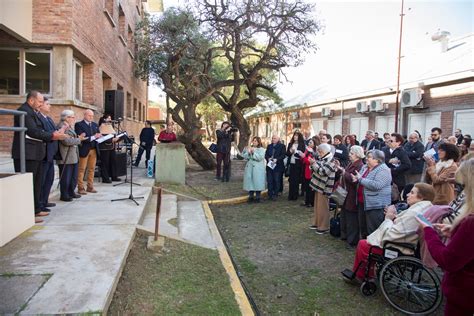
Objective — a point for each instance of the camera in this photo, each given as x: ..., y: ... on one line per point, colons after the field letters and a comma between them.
x: 232, y: 129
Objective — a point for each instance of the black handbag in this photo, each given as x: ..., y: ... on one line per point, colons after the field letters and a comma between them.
x: 335, y: 225
x: 287, y: 168
x: 213, y: 148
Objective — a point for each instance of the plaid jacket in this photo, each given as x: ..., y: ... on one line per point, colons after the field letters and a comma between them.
x: 324, y: 173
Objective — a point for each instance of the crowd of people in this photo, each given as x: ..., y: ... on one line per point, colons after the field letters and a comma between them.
x: 77, y: 147
x: 387, y: 183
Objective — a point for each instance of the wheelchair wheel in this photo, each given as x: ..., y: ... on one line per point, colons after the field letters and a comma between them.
x: 410, y: 287
x: 368, y: 288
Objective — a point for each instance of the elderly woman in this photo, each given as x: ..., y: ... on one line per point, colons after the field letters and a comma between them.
x: 400, y: 228
x: 69, y: 152
x: 254, y: 175
x: 349, y: 213
x: 322, y: 182
x: 374, y: 192
x: 457, y: 257
x: 438, y: 173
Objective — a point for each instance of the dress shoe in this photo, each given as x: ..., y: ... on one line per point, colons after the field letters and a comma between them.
x: 106, y: 181
x: 76, y: 196
x: 50, y: 204
x: 38, y: 220
x: 40, y: 214
x: 116, y: 179
x: 45, y: 209
x: 66, y: 199
x: 91, y: 190
x: 82, y: 192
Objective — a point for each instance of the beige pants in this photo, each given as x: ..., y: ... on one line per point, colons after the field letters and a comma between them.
x: 89, y: 162
x: 321, y: 211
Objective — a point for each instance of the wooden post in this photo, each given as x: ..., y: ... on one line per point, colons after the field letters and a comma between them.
x: 158, y: 209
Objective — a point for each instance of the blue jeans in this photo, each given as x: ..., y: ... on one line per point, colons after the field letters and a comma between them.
x: 273, y: 181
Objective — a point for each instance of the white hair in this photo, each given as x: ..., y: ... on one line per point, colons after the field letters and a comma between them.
x: 358, y: 151
x: 324, y: 148
x: 65, y: 114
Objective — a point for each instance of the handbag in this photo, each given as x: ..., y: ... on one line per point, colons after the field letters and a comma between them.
x: 335, y: 225
x: 287, y: 168
x: 213, y: 148
x: 339, y: 195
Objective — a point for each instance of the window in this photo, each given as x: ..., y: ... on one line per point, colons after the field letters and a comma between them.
x: 316, y: 126
x: 23, y: 70
x: 463, y: 120
x: 359, y: 126
x: 122, y: 26
x: 384, y: 124
x: 135, y: 110
x: 129, y: 105
x: 140, y: 113
x: 77, y: 80
x: 423, y: 123
x: 268, y: 130
x: 334, y: 127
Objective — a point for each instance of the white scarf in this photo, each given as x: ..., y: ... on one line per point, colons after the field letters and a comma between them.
x: 440, y: 165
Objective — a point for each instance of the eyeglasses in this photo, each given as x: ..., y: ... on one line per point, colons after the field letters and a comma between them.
x: 434, y: 134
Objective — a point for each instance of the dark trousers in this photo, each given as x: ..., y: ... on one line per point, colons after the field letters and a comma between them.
x: 352, y: 227
x: 369, y: 221
x: 68, y: 180
x: 140, y: 153
x: 309, y: 193
x: 108, y: 165
x: 257, y: 195
x: 224, y: 160
x: 280, y: 190
x: 36, y: 168
x: 273, y: 181
x: 46, y: 182
x: 294, y: 179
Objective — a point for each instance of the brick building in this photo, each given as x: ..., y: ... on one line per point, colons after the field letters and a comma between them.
x: 72, y: 51
x: 439, y: 91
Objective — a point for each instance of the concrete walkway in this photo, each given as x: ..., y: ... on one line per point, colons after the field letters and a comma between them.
x: 72, y: 262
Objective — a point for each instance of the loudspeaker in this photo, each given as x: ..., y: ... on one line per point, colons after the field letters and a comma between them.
x: 121, y: 163
x: 114, y: 103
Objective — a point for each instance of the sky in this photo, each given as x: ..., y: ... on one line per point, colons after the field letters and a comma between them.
x: 359, y: 42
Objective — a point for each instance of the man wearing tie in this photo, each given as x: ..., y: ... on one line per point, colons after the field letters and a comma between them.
x: 47, y: 178
x: 35, y: 150
x: 87, y: 151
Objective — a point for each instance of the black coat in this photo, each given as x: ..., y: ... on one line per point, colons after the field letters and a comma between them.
x: 301, y: 147
x: 415, y: 152
x: 87, y: 144
x: 375, y: 144
x: 224, y: 140
x: 342, y: 154
x: 35, y: 149
x: 52, y: 146
x: 398, y: 172
x: 278, y: 152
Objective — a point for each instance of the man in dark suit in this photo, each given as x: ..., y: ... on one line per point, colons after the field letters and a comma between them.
x: 35, y: 147
x: 275, y: 153
x: 87, y: 151
x: 397, y: 160
x: 47, y: 178
x: 415, y: 151
x: 370, y: 142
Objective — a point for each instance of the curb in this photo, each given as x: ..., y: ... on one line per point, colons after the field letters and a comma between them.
x: 236, y: 200
x: 240, y: 296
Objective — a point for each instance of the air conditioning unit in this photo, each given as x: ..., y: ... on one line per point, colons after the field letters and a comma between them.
x: 377, y: 106
x: 326, y: 112
x: 412, y: 98
x: 362, y: 107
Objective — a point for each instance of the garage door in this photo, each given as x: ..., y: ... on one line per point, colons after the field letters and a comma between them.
x: 334, y: 127
x: 423, y: 123
x: 464, y: 120
x: 385, y: 124
x: 359, y: 126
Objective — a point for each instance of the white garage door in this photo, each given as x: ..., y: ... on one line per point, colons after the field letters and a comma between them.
x: 385, y: 124
x: 423, y: 123
x: 334, y: 127
x: 316, y: 126
x: 464, y: 120
x: 359, y: 126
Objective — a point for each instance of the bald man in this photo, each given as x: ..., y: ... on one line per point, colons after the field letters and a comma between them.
x: 415, y: 151
x: 87, y: 152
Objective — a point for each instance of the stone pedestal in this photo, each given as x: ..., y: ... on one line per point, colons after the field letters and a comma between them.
x: 170, y: 163
x: 16, y: 205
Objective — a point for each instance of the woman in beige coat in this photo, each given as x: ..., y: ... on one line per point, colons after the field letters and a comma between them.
x: 438, y: 173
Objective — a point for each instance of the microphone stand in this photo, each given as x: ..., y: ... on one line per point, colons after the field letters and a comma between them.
x: 128, y: 148
x: 129, y: 145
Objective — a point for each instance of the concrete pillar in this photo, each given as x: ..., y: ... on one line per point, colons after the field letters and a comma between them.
x: 170, y: 163
x: 62, y: 73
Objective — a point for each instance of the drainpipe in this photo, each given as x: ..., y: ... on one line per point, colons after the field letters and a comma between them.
x: 342, y: 118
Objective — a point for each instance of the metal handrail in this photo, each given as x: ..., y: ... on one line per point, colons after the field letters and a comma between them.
x: 21, y: 129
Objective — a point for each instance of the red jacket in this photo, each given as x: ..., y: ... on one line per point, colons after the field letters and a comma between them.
x: 457, y: 261
x: 306, y: 164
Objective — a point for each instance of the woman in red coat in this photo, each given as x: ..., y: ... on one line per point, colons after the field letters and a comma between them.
x: 457, y: 257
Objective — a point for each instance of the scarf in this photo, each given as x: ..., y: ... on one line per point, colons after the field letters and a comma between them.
x: 440, y: 165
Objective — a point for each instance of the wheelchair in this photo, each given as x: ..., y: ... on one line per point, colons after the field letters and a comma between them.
x: 406, y: 283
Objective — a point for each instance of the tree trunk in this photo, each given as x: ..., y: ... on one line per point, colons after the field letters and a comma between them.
x: 198, y: 152
x: 239, y: 121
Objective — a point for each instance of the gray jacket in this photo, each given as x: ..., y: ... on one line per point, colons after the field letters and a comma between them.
x: 68, y: 148
x: 377, y: 187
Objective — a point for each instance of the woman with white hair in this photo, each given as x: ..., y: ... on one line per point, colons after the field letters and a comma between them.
x: 374, y: 192
x: 457, y: 257
x: 322, y: 182
x: 349, y: 213
x: 69, y: 157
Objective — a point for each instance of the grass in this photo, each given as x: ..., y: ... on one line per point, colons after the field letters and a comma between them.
x: 184, y: 279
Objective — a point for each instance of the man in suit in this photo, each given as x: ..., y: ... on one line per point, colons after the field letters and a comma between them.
x: 370, y: 142
x: 87, y: 151
x: 415, y: 151
x: 397, y: 160
x: 35, y: 147
x: 47, y: 178
x: 275, y: 153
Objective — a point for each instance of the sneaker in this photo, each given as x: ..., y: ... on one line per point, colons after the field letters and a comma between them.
x: 321, y: 232
x: 313, y: 227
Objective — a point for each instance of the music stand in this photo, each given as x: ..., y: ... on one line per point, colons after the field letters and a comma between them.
x: 129, y: 145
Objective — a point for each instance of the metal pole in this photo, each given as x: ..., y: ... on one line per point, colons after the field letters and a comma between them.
x: 398, y: 72
x: 22, y: 145
x: 158, y: 209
